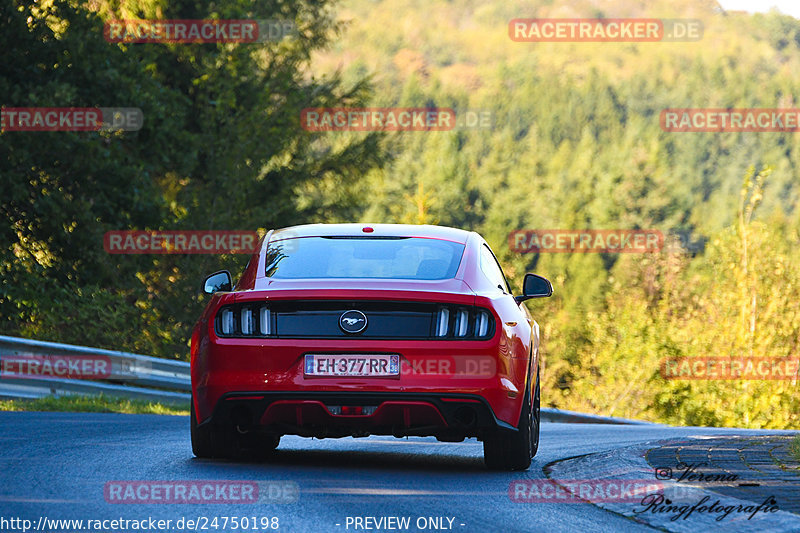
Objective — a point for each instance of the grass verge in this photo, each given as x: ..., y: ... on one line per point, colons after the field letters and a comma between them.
x: 93, y: 404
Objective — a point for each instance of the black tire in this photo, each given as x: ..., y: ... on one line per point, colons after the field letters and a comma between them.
x: 537, y: 419
x: 206, y: 443
x: 212, y: 443
x: 504, y: 450
x: 255, y: 447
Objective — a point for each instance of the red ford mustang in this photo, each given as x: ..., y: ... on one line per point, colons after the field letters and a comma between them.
x: 350, y: 330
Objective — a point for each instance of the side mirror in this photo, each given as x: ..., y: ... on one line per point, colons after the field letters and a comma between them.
x: 218, y: 281
x: 534, y: 286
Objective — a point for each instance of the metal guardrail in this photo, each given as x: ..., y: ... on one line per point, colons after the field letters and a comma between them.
x: 32, y: 369
x: 573, y: 417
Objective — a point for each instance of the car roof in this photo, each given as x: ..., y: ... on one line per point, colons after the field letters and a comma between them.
x: 379, y: 230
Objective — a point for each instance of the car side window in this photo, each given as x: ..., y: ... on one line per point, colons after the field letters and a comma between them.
x: 491, y: 268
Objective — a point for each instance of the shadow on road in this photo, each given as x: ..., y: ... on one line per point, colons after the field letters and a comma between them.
x: 359, y: 459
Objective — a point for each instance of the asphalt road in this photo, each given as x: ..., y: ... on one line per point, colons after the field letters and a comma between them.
x: 66, y: 465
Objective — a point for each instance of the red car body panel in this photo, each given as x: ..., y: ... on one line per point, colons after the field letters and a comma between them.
x: 226, y: 370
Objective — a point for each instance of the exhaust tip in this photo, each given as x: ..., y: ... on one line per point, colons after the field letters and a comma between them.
x: 242, y: 418
x: 466, y: 416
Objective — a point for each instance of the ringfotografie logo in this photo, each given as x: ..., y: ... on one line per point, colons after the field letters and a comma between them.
x: 655, y: 504
x: 693, y: 472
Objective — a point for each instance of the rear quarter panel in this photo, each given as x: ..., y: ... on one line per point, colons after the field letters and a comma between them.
x: 515, y: 325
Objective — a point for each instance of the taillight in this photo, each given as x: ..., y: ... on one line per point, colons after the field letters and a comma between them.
x: 442, y: 322
x: 226, y: 322
x: 244, y: 321
x: 462, y: 322
x: 264, y: 320
x: 482, y: 324
x: 247, y: 321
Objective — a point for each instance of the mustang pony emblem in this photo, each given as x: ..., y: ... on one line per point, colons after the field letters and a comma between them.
x: 353, y: 321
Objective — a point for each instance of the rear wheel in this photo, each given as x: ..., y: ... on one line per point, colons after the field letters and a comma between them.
x: 206, y: 442
x: 513, y: 451
x: 537, y: 418
x: 209, y: 442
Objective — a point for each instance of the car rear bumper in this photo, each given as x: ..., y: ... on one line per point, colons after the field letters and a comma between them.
x: 482, y: 370
x: 449, y: 417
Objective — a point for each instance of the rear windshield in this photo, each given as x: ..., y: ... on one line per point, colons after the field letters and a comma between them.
x: 363, y: 257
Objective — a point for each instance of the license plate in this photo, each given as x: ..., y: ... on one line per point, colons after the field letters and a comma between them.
x: 356, y: 365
